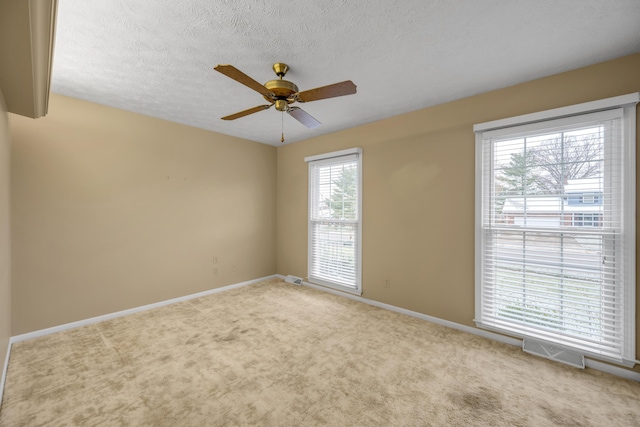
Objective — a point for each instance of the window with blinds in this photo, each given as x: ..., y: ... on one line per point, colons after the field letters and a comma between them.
x: 555, y: 228
x: 334, y: 220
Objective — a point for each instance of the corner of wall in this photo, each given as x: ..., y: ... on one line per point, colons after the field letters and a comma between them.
x: 5, y: 242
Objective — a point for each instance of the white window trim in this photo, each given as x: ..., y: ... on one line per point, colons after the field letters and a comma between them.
x: 557, y: 113
x: 628, y: 104
x: 327, y: 157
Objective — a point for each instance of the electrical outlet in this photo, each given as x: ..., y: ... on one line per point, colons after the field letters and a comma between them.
x: 215, y: 260
x: 387, y: 283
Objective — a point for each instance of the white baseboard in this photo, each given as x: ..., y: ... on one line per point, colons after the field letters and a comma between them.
x: 611, y: 369
x: 92, y: 320
x: 589, y: 363
x: 4, y: 372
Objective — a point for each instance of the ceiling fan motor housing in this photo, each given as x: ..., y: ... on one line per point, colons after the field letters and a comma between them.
x: 283, y: 91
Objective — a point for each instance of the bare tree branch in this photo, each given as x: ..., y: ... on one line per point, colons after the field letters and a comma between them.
x: 559, y: 160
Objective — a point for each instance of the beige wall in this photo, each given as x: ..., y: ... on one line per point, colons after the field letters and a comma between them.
x: 5, y: 236
x: 418, y: 189
x: 113, y: 210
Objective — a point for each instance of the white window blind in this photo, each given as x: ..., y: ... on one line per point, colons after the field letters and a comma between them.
x: 555, y: 231
x: 334, y: 220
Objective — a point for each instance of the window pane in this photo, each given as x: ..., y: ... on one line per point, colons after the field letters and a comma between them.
x: 334, y: 252
x: 337, y: 191
x: 554, y: 280
x: 546, y: 180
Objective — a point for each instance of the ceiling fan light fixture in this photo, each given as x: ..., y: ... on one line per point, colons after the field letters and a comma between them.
x: 282, y: 105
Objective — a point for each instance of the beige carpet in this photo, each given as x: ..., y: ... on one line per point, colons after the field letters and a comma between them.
x: 273, y: 354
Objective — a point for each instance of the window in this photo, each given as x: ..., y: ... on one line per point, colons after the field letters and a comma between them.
x: 586, y: 220
x: 548, y: 268
x: 335, y: 206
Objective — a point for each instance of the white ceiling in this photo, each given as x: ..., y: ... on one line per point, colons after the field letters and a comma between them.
x: 157, y: 57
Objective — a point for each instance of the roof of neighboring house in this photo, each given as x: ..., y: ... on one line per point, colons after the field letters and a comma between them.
x: 556, y: 204
x: 533, y: 204
x: 584, y: 185
x: 547, y: 204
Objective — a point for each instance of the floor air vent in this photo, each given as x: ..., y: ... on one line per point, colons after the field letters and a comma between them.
x: 293, y: 279
x: 549, y: 351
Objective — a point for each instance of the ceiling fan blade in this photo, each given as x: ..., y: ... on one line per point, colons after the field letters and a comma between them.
x: 240, y: 77
x: 247, y: 112
x: 331, y: 91
x: 303, y: 117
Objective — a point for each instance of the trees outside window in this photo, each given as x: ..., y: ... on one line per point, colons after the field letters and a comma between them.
x: 344, y: 196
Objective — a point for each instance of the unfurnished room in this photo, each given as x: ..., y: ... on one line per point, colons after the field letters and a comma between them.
x: 338, y: 213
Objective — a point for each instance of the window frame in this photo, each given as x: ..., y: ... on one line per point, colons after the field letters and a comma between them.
x: 628, y: 104
x: 327, y: 159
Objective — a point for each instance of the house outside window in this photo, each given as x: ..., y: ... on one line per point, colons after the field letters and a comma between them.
x: 580, y: 204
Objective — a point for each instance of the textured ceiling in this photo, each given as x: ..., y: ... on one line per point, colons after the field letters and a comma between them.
x: 157, y: 57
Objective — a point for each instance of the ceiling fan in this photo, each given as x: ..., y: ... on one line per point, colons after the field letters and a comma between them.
x: 282, y: 93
